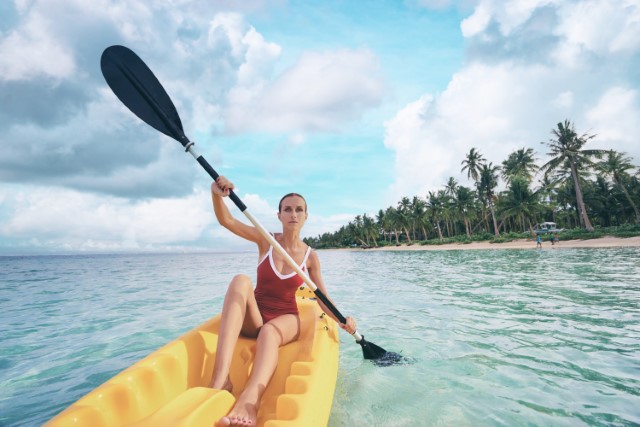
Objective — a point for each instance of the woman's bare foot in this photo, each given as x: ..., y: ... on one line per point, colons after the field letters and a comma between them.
x: 243, y: 414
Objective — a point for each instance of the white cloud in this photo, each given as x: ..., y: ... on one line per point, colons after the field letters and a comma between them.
x: 222, y: 76
x: 321, y: 92
x: 477, y: 22
x: 614, y: 118
x: 495, y: 110
x: 564, y: 100
x: 37, y: 219
x: 60, y: 218
x: 487, y: 107
x: 89, y: 142
x: 500, y: 105
x: 601, y: 26
x: 508, y: 15
x: 33, y: 50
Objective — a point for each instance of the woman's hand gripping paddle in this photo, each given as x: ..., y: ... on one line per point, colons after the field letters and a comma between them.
x: 139, y: 89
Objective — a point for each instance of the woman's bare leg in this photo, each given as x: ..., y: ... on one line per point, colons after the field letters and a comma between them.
x: 273, y: 334
x: 239, y: 314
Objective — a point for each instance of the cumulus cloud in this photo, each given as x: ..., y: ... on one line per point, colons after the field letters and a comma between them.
x: 30, y: 52
x: 44, y: 219
x: 614, y: 117
x: 62, y: 125
x: 65, y: 127
x: 518, y: 84
x: 321, y: 92
x: 76, y: 148
x: 60, y: 218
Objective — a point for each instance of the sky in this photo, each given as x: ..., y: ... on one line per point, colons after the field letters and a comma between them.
x: 353, y: 104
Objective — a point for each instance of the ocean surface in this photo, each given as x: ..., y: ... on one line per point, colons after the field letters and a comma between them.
x: 496, y: 338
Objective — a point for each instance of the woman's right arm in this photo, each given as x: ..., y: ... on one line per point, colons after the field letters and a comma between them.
x: 219, y: 190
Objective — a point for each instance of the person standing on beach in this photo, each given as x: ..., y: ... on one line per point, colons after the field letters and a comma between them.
x: 269, y: 312
x: 538, y: 242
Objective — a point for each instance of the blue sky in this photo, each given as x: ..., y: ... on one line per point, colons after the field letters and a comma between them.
x: 352, y: 103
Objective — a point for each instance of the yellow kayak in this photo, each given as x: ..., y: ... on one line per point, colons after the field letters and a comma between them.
x: 169, y: 387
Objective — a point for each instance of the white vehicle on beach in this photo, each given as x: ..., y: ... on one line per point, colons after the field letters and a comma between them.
x: 547, y: 227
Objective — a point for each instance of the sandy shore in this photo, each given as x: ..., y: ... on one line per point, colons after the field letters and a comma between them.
x: 602, y: 242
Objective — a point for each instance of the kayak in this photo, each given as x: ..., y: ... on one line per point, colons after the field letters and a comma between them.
x: 169, y: 387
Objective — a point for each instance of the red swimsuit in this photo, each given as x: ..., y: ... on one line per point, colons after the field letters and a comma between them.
x: 276, y: 293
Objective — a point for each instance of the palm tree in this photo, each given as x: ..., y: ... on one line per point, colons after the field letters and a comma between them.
x: 486, y: 185
x: 566, y: 204
x: 384, y: 224
x: 404, y: 216
x: 448, y: 211
x: 616, y: 166
x: 451, y: 186
x: 418, y: 216
x: 370, y: 230
x: 435, y: 205
x: 566, y: 150
x: 519, y: 163
x: 606, y: 204
x: 472, y: 164
x: 547, y: 190
x: 519, y: 202
x: 464, y: 204
x: 393, y: 216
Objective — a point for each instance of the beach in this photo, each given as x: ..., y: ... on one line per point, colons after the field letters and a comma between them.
x: 601, y: 242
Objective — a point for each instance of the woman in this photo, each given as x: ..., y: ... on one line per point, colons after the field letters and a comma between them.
x: 269, y: 313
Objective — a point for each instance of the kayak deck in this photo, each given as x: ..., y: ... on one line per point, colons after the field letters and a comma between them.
x: 169, y: 387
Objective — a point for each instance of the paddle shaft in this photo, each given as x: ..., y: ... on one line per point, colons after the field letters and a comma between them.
x: 272, y: 241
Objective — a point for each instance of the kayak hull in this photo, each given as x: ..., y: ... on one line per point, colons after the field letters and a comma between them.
x: 169, y: 387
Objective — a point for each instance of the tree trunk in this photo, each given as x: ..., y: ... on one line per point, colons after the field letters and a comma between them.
x: 439, y: 230
x: 633, y: 205
x: 467, y: 227
x: 580, y: 200
x: 495, y: 223
x: 484, y: 215
x: 406, y: 230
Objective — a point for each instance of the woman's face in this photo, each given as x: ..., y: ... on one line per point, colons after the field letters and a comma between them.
x: 293, y: 212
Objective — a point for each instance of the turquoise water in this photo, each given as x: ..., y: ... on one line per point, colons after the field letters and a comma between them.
x: 497, y: 338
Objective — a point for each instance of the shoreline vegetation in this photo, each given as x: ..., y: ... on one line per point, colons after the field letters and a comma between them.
x: 528, y: 243
x: 586, y: 196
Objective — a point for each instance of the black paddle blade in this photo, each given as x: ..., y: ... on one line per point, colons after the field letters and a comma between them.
x: 379, y: 355
x: 139, y: 89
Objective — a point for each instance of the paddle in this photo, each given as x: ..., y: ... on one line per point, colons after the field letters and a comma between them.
x: 139, y: 89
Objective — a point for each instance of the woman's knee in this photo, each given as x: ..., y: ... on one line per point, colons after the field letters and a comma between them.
x: 241, y: 282
x: 281, y: 330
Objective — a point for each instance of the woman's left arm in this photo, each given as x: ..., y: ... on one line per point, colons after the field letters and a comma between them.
x: 315, y: 274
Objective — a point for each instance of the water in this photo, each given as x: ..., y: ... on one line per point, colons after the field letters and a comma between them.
x: 497, y: 338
